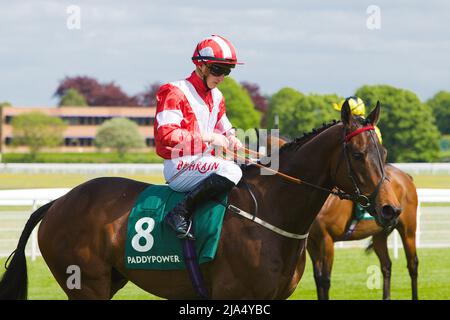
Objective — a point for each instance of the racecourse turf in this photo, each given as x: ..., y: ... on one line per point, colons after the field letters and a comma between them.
x: 48, y: 180
x: 355, y: 276
x: 353, y: 272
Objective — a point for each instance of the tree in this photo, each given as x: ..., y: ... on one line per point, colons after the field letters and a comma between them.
x: 299, y: 113
x: 148, y: 97
x: 240, y: 109
x: 37, y: 130
x: 261, y: 102
x: 283, y: 105
x: 120, y: 134
x: 440, y: 104
x: 322, y: 106
x: 95, y: 93
x: 407, y: 125
x: 72, y: 98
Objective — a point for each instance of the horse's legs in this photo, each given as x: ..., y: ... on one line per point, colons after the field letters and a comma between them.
x: 327, y: 266
x: 409, y: 244
x: 381, y: 249
x: 94, y: 286
x: 315, y: 251
x: 82, y: 279
x: 118, y: 281
x: 322, y: 254
x: 317, y: 266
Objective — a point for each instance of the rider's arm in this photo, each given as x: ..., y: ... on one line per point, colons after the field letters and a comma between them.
x: 223, y: 125
x: 169, y: 116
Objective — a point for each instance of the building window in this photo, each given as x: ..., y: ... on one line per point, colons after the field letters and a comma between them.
x: 150, y: 142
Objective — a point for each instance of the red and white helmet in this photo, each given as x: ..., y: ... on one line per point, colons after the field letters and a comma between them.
x: 215, y: 49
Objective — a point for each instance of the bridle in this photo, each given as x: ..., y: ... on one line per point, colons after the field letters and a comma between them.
x: 367, y: 202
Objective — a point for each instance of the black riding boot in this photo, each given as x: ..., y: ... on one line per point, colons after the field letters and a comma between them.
x: 179, y: 218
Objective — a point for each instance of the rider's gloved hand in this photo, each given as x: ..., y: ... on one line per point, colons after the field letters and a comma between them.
x: 235, y: 143
x: 216, y: 139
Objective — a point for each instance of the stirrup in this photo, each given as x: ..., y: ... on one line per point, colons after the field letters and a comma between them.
x: 187, y: 234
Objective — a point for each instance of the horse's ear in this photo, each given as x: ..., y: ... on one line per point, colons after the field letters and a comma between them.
x: 374, y: 116
x: 346, y: 114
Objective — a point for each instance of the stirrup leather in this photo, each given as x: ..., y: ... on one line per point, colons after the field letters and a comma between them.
x: 187, y: 233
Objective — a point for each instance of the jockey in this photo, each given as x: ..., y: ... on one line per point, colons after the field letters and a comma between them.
x: 190, y: 119
x: 358, y: 109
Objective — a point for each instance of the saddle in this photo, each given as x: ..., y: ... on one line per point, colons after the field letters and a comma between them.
x: 151, y: 244
x: 358, y: 214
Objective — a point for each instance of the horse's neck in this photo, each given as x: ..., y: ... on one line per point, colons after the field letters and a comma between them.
x: 289, y: 206
x: 292, y: 205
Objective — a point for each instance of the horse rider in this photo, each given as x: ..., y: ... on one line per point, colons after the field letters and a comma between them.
x: 358, y: 108
x: 190, y: 120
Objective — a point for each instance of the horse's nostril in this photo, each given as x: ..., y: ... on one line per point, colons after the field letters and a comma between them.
x: 389, y: 212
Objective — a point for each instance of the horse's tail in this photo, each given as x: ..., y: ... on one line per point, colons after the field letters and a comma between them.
x: 369, y: 248
x: 14, y: 283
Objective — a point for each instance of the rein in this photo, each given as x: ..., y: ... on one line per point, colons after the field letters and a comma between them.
x: 358, y: 197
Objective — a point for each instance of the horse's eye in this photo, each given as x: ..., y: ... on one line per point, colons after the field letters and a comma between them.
x: 358, y: 155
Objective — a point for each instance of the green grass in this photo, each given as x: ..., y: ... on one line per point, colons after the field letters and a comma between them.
x: 348, y: 279
x: 350, y: 275
x: 83, y: 157
x: 432, y: 181
x: 25, y: 181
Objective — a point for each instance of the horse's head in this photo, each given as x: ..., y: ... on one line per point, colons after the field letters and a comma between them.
x: 360, y: 168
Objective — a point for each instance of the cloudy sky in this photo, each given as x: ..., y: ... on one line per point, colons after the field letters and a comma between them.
x: 312, y: 46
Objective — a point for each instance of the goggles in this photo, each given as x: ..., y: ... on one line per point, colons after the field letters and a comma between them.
x: 218, y: 70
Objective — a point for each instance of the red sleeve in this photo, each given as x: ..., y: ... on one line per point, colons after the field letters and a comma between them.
x: 169, y: 117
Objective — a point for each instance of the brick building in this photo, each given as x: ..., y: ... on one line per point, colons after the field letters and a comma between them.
x: 82, y: 123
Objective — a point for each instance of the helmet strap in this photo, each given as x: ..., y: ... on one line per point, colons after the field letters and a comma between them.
x: 204, y: 76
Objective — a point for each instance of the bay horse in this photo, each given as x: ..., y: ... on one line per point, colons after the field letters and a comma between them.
x: 334, y: 219
x: 87, y: 227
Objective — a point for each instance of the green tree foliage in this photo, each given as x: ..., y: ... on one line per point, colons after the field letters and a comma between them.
x: 440, y: 104
x: 72, y: 98
x: 240, y: 110
x: 37, y: 130
x: 120, y: 134
x: 299, y: 113
x: 407, y: 125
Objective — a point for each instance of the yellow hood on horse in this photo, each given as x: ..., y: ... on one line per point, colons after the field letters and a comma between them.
x: 358, y: 108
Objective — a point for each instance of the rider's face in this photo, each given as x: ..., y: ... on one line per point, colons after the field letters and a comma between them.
x: 212, y: 80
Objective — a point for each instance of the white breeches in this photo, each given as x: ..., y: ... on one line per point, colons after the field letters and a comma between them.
x: 198, y: 171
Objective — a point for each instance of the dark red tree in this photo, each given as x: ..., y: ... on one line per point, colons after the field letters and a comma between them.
x: 261, y: 103
x: 95, y: 93
x: 147, y: 98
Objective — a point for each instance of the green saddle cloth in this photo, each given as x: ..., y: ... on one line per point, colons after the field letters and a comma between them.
x: 151, y: 244
x: 359, y: 213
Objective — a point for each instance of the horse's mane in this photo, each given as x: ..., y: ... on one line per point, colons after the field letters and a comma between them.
x: 297, y: 142
x: 307, y: 136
